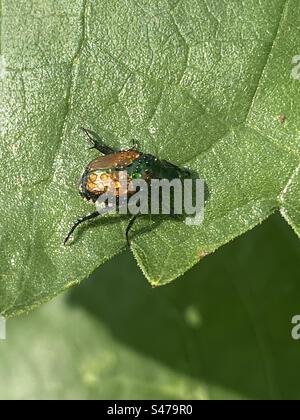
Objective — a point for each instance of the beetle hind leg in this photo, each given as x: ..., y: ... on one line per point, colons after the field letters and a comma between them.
x: 96, y: 142
x: 129, y: 227
x: 79, y: 222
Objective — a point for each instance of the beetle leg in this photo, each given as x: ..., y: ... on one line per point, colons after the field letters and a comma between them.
x: 97, y: 142
x: 130, y: 224
x: 79, y: 222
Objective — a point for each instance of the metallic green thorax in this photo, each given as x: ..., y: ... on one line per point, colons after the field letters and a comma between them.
x: 155, y: 168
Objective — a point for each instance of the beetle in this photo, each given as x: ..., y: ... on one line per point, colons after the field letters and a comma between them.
x: 107, y: 169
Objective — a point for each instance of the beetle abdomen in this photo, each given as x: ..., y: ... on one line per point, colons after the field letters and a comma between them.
x: 105, y: 175
x: 95, y: 183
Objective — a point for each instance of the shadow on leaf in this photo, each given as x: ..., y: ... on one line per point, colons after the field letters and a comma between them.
x: 227, y: 322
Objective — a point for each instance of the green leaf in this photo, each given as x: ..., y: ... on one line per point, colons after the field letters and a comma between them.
x: 223, y: 332
x: 290, y: 199
x: 200, y: 83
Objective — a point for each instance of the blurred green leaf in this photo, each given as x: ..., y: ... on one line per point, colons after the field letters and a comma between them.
x: 200, y: 83
x: 222, y: 332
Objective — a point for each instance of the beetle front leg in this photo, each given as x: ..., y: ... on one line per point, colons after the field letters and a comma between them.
x: 97, y: 142
x: 79, y: 222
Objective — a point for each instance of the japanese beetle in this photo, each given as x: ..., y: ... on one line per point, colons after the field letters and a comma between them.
x: 109, y: 166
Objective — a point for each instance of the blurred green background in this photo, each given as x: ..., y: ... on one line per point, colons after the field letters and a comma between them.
x: 223, y: 331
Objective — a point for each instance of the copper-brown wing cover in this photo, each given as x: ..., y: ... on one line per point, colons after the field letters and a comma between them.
x: 115, y: 160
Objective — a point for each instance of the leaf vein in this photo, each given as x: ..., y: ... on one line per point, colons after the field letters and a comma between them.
x: 73, y: 78
x: 285, y: 190
x: 268, y: 56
